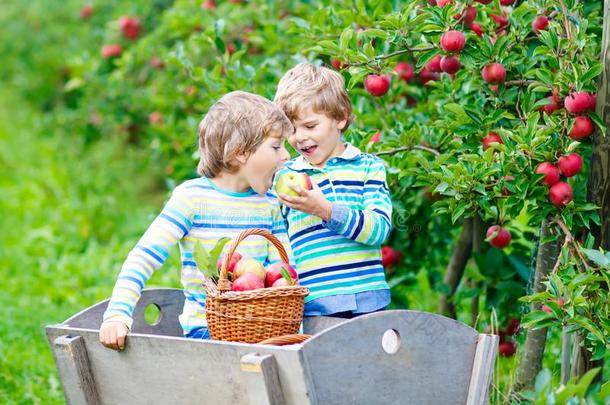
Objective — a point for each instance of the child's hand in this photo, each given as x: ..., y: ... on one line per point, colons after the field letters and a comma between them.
x: 310, y: 201
x: 113, y: 333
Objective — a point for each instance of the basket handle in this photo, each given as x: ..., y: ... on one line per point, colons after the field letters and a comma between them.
x: 223, y: 282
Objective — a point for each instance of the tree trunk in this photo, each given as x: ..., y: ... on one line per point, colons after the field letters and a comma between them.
x: 477, y: 233
x: 455, y: 269
x: 599, y: 183
x: 531, y: 361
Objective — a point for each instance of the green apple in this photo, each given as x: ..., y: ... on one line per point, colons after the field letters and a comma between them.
x: 287, y: 180
x: 249, y: 265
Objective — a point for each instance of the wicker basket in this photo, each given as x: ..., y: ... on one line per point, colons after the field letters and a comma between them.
x: 255, y: 315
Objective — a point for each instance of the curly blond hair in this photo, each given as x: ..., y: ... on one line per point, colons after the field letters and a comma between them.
x: 237, y: 124
x: 322, y: 89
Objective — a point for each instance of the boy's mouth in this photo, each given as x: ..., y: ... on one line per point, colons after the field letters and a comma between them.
x: 308, y: 150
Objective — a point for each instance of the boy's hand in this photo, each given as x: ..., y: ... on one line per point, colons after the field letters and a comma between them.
x: 113, y: 334
x: 310, y: 201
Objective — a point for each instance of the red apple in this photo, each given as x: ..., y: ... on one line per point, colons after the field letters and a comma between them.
x: 155, y: 118
x: 248, y: 281
x: 593, y: 102
x: 443, y: 3
x: 450, y: 64
x: 512, y: 327
x: 376, y: 137
x: 491, y: 138
x: 377, y: 85
x: 249, y: 265
x: 540, y: 23
x: 208, y: 5
x: 507, y: 2
x: 582, y: 127
x: 507, y: 349
x: 502, y: 236
x: 494, y: 73
x: 578, y: 102
x: 232, y: 262
x: 555, y: 103
x: 453, y: 41
x: 405, y: 71
x: 560, y: 194
x: 484, y: 1
x: 86, y: 12
x: 130, y: 27
x: 477, y: 29
x: 551, y: 173
x: 570, y: 165
x: 339, y: 65
x: 501, y: 20
x: 111, y: 51
x: 389, y: 256
x: 156, y: 63
x: 434, y: 64
x: 282, y: 282
x: 289, y: 180
x: 426, y: 75
x: 274, y: 273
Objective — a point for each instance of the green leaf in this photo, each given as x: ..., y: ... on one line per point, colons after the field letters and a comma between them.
x: 217, y: 250
x: 285, y: 274
x: 203, y: 260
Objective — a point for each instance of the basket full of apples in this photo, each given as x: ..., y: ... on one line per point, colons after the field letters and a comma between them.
x: 249, y: 303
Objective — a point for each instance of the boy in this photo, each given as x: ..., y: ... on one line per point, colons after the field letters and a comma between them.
x: 335, y: 229
x: 241, y: 146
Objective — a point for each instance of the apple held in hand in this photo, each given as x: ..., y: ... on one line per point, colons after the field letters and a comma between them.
x: 248, y: 281
x: 274, y: 273
x: 292, y: 179
x: 248, y: 265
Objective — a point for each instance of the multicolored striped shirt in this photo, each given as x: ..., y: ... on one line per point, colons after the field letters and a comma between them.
x: 342, y: 257
x: 197, y: 210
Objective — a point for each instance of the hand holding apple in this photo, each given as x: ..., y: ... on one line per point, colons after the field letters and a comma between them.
x: 289, y: 183
x: 310, y: 201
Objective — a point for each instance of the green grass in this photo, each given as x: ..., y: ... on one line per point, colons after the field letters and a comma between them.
x: 69, y: 217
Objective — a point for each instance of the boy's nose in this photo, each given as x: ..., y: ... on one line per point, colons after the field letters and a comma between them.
x: 285, y: 155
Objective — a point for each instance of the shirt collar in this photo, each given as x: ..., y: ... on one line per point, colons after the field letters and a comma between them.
x: 351, y: 152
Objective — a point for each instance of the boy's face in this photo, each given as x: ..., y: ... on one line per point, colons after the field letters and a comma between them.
x: 317, y: 137
x: 260, y: 166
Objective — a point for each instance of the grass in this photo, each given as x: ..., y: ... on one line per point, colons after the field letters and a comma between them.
x: 69, y: 216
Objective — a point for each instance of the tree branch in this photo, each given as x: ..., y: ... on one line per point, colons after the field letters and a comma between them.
x: 407, y: 148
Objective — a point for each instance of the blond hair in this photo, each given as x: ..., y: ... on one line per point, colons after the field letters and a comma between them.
x: 237, y: 124
x: 322, y: 89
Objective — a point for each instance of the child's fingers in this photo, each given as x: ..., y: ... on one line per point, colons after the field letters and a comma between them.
x: 121, y: 335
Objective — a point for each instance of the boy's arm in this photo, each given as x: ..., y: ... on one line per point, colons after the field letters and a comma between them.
x: 372, y: 224
x: 151, y: 251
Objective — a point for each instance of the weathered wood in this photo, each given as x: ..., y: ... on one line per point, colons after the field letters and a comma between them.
x: 423, y: 358
x: 455, y: 269
x: 482, y: 369
x: 75, y: 370
x: 169, y: 300
x: 261, y: 379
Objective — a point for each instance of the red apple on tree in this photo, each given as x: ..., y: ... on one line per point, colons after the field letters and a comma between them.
x: 86, y: 12
x: 434, y: 64
x: 389, y: 256
x: 498, y: 237
x: 540, y: 23
x: 555, y: 103
x: 111, y: 51
x: 507, y: 349
x: 450, y: 64
x: 155, y: 118
x: 570, y: 165
x: 246, y: 282
x: 377, y: 85
x: 208, y: 5
x: 551, y: 173
x: 501, y: 20
x: 130, y: 27
x: 338, y: 65
x: 494, y: 73
x: 405, y: 71
x: 490, y: 139
x: 289, y: 180
x: 376, y: 137
x: 453, y: 41
x: 582, y: 127
x: 477, y: 29
x: 560, y: 194
x: 578, y: 102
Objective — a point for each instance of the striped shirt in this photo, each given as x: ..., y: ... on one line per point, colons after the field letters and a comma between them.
x: 197, y: 210
x: 342, y: 257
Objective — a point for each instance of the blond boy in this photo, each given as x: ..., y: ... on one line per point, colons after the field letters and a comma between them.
x: 241, y: 146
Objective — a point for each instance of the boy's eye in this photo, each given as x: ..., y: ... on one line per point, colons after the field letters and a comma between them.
x: 310, y: 126
x: 276, y: 147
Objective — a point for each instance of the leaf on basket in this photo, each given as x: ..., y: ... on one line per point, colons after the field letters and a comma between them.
x: 204, y: 262
x: 286, y: 275
x: 217, y: 250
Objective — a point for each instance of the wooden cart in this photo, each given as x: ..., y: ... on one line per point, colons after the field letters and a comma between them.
x: 389, y: 357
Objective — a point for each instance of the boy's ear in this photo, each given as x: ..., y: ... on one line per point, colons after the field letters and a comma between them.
x: 341, y: 124
x: 242, y: 158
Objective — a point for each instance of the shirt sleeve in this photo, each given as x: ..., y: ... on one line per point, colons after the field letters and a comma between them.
x: 151, y: 251
x: 372, y: 224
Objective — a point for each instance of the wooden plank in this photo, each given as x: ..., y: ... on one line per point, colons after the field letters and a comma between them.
x: 75, y: 370
x: 482, y: 369
x: 261, y: 379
